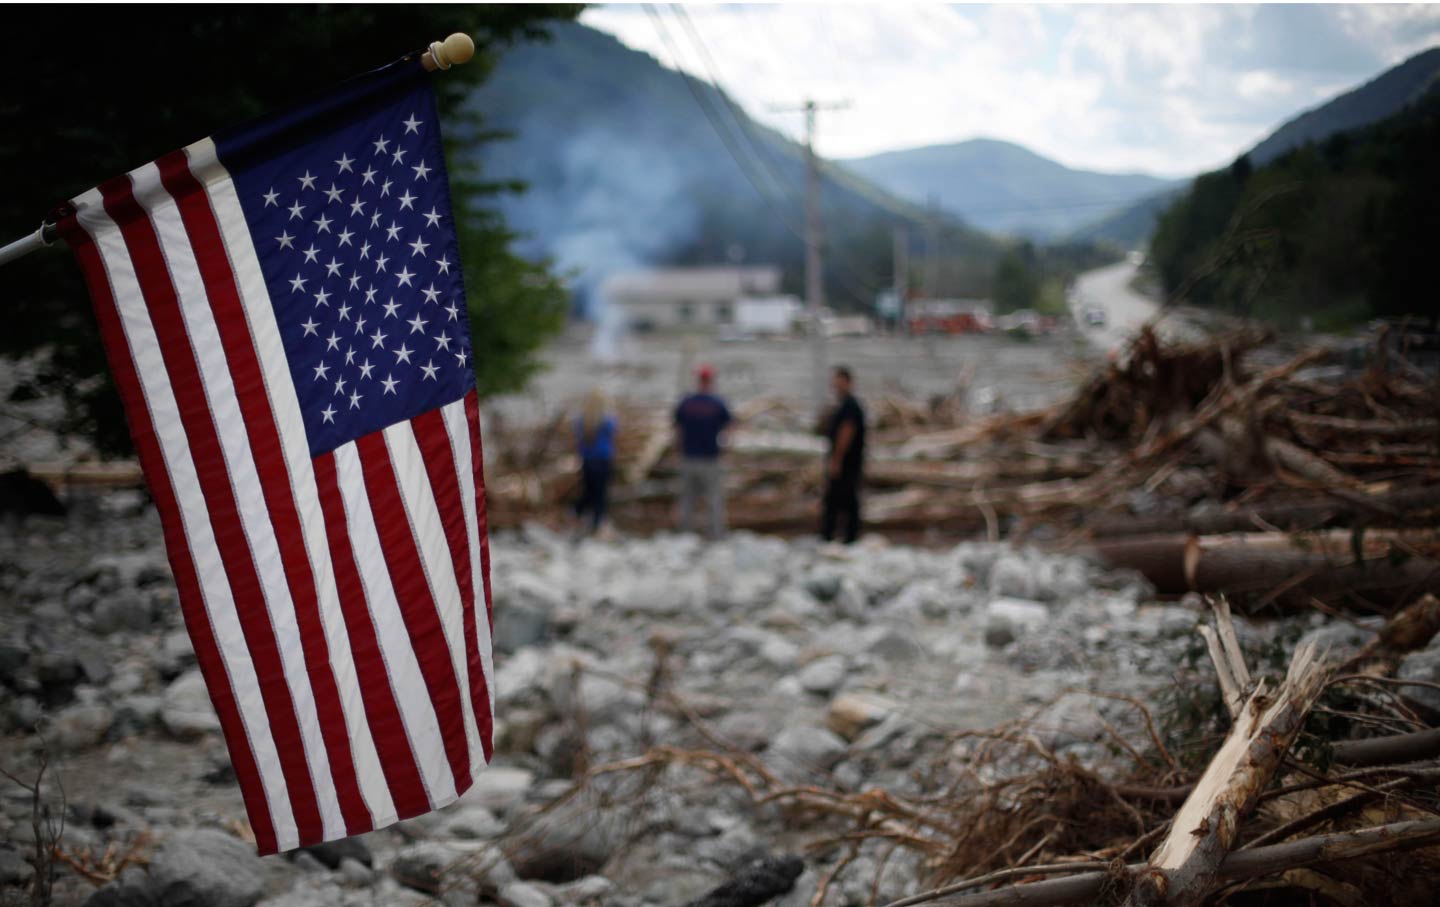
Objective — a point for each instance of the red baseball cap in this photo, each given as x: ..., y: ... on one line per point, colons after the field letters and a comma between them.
x: 705, y: 372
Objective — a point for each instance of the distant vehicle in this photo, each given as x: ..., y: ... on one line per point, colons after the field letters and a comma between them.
x: 1136, y: 258
x: 1095, y: 317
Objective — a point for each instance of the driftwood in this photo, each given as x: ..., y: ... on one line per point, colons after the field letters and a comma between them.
x: 1184, y: 868
x: 1388, y: 571
x: 1245, y: 864
x: 1392, y: 750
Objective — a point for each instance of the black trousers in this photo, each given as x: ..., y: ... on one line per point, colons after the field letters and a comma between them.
x: 594, y: 488
x: 841, y: 508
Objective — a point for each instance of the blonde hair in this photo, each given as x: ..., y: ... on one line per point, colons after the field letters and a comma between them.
x: 592, y: 414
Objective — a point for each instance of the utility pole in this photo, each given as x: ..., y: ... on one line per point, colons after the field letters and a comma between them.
x: 814, y: 273
x: 932, y: 247
x: 901, y: 257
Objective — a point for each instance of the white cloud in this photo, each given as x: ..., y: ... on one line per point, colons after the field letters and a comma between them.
x: 1169, y: 89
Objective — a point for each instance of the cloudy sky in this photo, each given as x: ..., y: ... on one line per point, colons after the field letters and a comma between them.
x: 1171, y: 90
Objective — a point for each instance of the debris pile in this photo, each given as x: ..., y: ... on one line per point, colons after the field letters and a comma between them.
x: 1208, y: 465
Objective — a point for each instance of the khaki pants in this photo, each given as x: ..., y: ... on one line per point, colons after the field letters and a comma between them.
x: 702, y: 479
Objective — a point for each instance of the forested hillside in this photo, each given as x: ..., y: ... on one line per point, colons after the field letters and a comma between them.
x: 1337, y: 231
x: 629, y: 163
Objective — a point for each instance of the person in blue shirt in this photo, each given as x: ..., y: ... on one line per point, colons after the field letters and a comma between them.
x: 699, y: 420
x: 595, y: 442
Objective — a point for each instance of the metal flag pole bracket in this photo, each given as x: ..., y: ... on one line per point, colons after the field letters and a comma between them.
x: 456, y: 49
x: 42, y: 237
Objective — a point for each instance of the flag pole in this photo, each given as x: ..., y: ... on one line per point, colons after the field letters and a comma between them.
x: 456, y: 49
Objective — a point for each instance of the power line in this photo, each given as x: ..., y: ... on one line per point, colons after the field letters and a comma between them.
x: 722, y: 130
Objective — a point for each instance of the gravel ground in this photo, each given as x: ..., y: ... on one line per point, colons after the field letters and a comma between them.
x: 838, y: 667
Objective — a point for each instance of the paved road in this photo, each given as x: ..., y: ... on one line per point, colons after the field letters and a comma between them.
x: 1108, y: 289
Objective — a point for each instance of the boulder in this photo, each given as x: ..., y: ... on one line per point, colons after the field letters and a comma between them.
x: 206, y: 868
x: 79, y: 727
x: 187, y: 712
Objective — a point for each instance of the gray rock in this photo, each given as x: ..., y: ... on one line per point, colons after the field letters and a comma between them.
x: 187, y: 712
x: 422, y: 866
x: 1008, y: 618
x: 1342, y: 640
x: 471, y: 822
x: 306, y: 863
x: 14, y: 868
x: 745, y: 729
x: 332, y: 853
x: 805, y: 749
x: 824, y: 587
x: 1423, y: 665
x: 123, y: 610
x: 80, y: 727
x: 520, y: 624
x: 893, y: 644
x: 823, y: 675
x: 206, y: 868
x: 523, y: 894
x: 589, y: 888
x: 13, y: 658
x: 573, y: 841
x: 1012, y: 575
x: 133, y: 889
x: 176, y: 654
x: 499, y: 789
x: 354, y: 874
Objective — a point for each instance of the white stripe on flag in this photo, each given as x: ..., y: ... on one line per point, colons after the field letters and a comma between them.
x: 244, y: 477
x: 280, y: 391
x: 458, y: 429
x: 429, y: 533
x: 174, y: 445
x: 413, y: 697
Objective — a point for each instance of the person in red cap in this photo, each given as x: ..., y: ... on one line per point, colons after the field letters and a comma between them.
x: 699, y: 420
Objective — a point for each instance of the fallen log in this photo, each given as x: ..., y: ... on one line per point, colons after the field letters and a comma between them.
x: 1414, y: 507
x: 1263, y: 567
x: 1392, y: 750
x: 1236, y: 867
x: 1184, y: 868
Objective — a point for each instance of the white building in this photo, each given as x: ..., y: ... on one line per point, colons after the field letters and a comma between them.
x: 668, y: 299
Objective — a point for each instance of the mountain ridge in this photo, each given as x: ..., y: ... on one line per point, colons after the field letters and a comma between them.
x: 1001, y: 186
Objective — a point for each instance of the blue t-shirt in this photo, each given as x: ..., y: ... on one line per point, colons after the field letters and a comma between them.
x: 701, y: 417
x: 600, y: 447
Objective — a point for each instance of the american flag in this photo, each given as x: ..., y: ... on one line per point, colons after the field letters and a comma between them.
x: 284, y: 315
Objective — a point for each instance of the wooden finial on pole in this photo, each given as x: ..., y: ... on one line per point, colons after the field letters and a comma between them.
x: 458, y: 48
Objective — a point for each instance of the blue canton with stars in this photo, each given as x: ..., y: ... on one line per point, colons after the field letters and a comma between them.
x: 349, y: 208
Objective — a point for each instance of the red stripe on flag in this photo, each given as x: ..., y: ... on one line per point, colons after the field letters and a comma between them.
x: 182, y: 563
x: 417, y: 604
x: 269, y: 457
x: 382, y: 711
x: 199, y: 423
x: 434, y: 443
x: 477, y: 465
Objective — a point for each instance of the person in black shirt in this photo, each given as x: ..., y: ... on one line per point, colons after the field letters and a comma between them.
x: 844, y: 463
